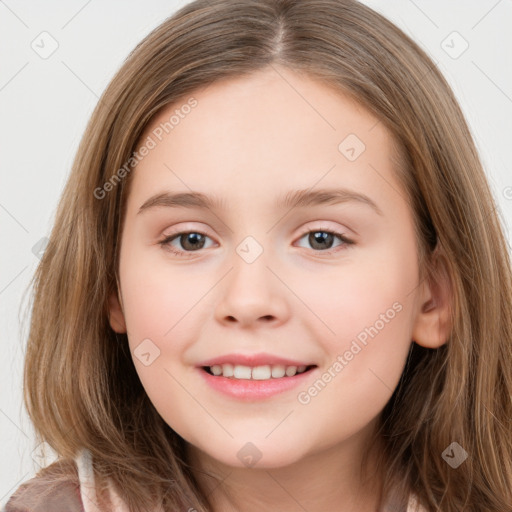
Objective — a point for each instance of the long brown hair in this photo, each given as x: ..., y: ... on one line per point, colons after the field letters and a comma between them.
x: 81, y: 387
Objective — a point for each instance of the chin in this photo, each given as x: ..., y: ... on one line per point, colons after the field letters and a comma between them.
x: 256, y: 454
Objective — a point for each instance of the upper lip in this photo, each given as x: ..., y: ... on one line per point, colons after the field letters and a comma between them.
x: 260, y: 359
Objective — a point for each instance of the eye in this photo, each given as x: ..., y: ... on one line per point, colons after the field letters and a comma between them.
x: 191, y: 241
x: 322, y: 239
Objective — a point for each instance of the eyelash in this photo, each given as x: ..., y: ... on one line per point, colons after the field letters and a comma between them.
x: 165, y: 243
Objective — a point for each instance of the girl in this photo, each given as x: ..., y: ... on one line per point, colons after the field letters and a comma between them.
x: 193, y: 345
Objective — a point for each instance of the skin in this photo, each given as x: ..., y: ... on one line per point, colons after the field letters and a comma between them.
x: 250, y: 140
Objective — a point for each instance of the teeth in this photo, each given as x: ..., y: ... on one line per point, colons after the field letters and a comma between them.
x: 257, y: 372
x: 242, y: 372
x: 278, y: 371
x: 260, y: 373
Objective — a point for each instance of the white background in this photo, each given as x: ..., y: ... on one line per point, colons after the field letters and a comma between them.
x: 45, y: 104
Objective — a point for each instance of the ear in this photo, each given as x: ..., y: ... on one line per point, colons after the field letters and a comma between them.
x: 116, y: 314
x: 433, y: 323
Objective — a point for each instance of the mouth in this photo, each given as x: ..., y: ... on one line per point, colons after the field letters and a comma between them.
x: 255, y: 383
x: 262, y: 372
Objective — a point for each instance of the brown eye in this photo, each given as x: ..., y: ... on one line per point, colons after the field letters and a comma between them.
x: 322, y: 240
x: 189, y: 241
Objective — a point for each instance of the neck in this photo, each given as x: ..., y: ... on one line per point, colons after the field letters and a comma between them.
x: 328, y: 479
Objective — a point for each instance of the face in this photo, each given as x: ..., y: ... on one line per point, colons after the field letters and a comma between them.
x: 329, y: 283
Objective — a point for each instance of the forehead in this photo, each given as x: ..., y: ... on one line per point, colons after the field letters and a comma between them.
x: 273, y: 130
x: 274, y: 96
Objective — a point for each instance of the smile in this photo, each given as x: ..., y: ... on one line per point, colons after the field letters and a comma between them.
x: 246, y: 383
x: 263, y: 372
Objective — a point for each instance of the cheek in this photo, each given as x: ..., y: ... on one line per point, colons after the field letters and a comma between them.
x: 366, y: 347
x: 158, y: 297
x: 348, y: 301
x: 365, y: 315
x: 161, y: 320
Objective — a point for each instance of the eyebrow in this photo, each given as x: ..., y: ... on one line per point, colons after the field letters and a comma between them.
x: 293, y: 199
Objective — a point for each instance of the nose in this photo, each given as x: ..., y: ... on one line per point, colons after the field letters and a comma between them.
x: 251, y: 294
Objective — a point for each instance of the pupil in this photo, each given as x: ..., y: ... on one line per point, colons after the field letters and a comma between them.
x: 319, y: 237
x: 194, y: 239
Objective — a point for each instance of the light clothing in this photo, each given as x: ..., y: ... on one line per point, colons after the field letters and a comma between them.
x: 33, y: 496
x: 88, y: 491
x: 88, y: 487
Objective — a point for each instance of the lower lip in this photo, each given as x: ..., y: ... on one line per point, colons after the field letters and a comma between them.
x: 248, y: 389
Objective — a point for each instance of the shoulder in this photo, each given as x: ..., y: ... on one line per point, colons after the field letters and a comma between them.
x: 55, y: 488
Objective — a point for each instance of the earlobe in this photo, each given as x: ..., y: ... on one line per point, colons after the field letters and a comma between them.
x: 433, y: 323
x: 116, y: 315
